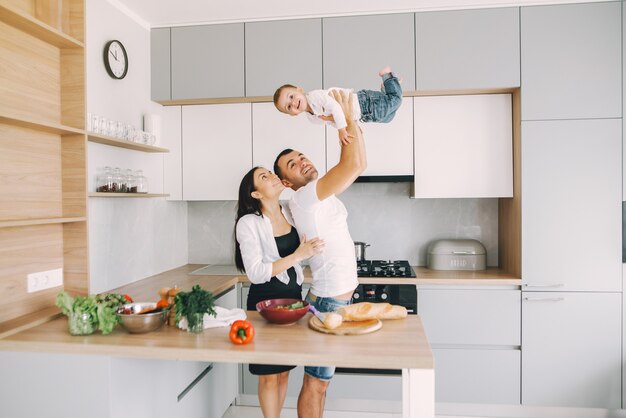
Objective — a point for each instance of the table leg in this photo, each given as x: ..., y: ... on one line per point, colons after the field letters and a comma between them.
x: 418, y: 393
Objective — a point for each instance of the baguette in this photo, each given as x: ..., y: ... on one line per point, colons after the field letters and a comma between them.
x: 367, y: 310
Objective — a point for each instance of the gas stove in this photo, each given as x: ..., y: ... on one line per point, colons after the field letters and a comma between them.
x: 384, y: 268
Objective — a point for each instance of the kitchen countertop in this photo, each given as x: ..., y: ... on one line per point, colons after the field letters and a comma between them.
x: 52, y: 336
x: 294, y: 344
x: 398, y: 344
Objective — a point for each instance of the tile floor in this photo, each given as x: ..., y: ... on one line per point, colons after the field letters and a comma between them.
x: 255, y: 412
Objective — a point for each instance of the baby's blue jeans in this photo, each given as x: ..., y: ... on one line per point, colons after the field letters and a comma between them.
x: 381, y: 106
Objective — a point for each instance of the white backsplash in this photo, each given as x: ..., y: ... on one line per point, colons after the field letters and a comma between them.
x: 130, y: 239
x: 380, y: 214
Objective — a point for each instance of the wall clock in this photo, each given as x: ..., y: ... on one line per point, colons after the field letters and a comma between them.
x: 115, y: 59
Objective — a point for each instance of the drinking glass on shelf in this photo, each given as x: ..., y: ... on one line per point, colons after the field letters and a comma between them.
x: 119, y: 130
x: 151, y: 139
x: 130, y: 132
x: 112, y: 126
x: 104, y: 126
x: 96, y: 124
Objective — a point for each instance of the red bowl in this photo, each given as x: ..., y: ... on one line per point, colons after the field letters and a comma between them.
x: 281, y: 316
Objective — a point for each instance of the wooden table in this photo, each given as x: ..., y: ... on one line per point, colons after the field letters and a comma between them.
x: 400, y: 344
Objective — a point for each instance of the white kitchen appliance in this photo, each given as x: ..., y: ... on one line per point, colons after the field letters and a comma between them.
x: 456, y: 254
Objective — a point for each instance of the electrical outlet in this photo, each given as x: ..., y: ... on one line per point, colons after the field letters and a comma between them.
x: 44, y: 280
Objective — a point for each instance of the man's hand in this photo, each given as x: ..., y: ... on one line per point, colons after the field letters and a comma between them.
x: 344, y: 138
x: 327, y: 118
x: 345, y: 101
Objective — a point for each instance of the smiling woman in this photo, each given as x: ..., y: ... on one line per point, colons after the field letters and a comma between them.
x: 269, y: 251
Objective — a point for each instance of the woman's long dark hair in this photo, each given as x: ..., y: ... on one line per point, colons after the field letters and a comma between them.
x: 245, y: 206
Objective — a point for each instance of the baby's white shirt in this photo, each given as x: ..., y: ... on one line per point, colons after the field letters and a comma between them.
x: 323, y: 104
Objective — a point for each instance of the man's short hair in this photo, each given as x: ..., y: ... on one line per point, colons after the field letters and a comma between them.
x: 280, y: 90
x: 276, y: 168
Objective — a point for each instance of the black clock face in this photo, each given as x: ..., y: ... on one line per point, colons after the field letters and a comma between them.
x: 115, y: 59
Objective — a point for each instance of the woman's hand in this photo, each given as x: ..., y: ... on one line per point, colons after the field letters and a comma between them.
x: 308, y: 249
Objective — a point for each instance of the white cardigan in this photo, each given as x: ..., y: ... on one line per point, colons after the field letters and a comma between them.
x: 258, y: 249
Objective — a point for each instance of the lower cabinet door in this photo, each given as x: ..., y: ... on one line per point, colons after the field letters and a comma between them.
x: 571, y: 349
x: 490, y: 376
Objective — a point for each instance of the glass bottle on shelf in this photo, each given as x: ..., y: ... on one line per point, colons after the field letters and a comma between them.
x: 141, y: 181
x: 104, y: 182
x: 131, y: 181
x: 119, y: 182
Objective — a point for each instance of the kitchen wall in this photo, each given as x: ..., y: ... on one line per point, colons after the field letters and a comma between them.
x: 129, y: 239
x: 381, y: 214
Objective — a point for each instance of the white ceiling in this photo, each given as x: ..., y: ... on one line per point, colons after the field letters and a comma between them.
x: 155, y: 13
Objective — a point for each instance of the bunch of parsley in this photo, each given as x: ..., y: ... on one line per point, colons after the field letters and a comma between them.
x: 198, y: 301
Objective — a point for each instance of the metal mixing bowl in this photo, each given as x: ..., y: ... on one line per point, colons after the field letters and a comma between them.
x: 136, y: 323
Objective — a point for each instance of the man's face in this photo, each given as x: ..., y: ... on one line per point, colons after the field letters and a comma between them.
x: 292, y: 101
x: 296, y: 170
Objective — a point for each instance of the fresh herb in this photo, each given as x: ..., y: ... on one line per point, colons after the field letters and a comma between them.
x: 98, y: 310
x: 193, y: 305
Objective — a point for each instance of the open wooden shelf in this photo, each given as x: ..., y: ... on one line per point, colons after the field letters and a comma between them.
x: 27, y: 23
x: 104, y: 194
x: 42, y: 221
x: 121, y: 143
x: 55, y: 128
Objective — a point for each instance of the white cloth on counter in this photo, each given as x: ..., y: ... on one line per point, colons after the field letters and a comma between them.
x: 223, y: 318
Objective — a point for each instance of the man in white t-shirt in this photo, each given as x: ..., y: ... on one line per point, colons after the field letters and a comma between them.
x: 317, y: 212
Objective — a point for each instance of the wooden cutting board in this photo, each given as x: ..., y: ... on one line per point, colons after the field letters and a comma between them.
x: 347, y: 327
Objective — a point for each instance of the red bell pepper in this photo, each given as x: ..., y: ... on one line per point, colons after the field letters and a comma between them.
x: 241, y: 332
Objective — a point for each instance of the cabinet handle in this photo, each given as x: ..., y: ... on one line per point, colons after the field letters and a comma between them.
x: 195, y: 382
x: 544, y: 285
x: 543, y: 299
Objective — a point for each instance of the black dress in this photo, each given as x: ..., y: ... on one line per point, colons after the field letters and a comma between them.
x: 274, y: 289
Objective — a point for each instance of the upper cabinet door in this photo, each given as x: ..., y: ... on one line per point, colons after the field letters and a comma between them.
x: 571, y: 205
x: 467, y: 49
x: 160, y: 64
x: 273, y: 131
x: 172, y: 161
x: 356, y: 48
x: 207, y: 61
x: 571, y: 61
x: 389, y: 146
x: 217, y: 150
x: 463, y: 146
x: 283, y: 52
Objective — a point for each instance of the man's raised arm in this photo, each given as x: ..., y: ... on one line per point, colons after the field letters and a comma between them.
x: 352, y: 161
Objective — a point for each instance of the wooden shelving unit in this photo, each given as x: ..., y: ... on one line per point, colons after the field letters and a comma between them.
x: 43, y: 154
x: 45, y: 126
x: 126, y: 195
x: 115, y: 142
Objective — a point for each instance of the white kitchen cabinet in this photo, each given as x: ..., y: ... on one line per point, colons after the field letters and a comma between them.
x: 467, y: 49
x: 357, y: 47
x: 217, y: 150
x: 571, y: 354
x: 174, y: 388
x: 571, y: 206
x: 388, y: 146
x: 273, y: 131
x: 207, y: 61
x: 274, y: 56
x: 171, y: 138
x: 571, y: 61
x: 469, y: 316
x: 475, y: 335
x: 463, y: 146
x: 472, y: 375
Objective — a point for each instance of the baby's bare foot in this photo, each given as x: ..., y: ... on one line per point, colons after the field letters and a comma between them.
x: 384, y: 71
